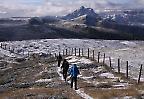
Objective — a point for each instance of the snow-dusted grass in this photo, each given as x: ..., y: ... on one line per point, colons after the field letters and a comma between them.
x: 132, y: 51
x: 129, y: 43
x: 43, y: 80
x: 77, y: 60
x: 6, y: 69
x: 58, y: 71
x: 108, y: 75
x: 6, y: 53
x: 98, y: 69
x: 83, y: 94
x: 121, y: 85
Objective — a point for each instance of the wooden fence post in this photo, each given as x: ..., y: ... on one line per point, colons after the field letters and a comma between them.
x: 1, y: 45
x: 69, y: 51
x: 127, y: 69
x: 93, y: 54
x: 9, y: 48
x: 118, y: 65
x: 72, y: 51
x: 5, y: 47
x: 82, y: 52
x: 75, y: 51
x: 27, y: 53
x: 79, y: 52
x: 104, y: 59
x: 23, y: 52
x: 63, y: 53
x: 66, y: 52
x: 12, y: 50
x: 59, y: 54
x: 49, y: 54
x: 140, y: 73
x: 88, y: 52
x: 55, y: 55
x: 110, y: 62
x: 98, y: 57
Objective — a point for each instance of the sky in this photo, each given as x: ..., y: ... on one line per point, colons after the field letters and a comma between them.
x: 11, y: 8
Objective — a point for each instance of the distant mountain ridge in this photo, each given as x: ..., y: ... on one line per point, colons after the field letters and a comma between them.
x: 80, y: 12
x: 83, y: 15
x: 82, y: 23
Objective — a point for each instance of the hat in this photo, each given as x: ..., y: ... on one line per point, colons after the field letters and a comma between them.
x: 74, y: 65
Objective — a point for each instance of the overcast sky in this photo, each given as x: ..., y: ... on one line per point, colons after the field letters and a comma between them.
x: 9, y: 8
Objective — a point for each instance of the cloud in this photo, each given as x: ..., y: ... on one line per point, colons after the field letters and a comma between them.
x: 10, y: 8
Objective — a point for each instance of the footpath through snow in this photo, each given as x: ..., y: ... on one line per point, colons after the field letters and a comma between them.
x: 97, y: 77
x: 71, y: 60
x: 79, y: 91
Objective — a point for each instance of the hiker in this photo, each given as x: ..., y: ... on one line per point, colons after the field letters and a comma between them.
x: 65, y: 67
x: 74, y: 73
x: 59, y: 60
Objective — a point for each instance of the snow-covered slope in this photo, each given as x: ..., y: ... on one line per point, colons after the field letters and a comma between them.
x: 131, y: 51
x: 124, y: 17
x: 80, y: 12
x: 83, y: 15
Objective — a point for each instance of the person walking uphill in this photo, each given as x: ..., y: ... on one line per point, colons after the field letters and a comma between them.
x: 74, y: 73
x: 59, y: 60
x: 65, y: 67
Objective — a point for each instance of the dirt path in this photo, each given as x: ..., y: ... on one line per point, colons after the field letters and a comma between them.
x: 97, y: 82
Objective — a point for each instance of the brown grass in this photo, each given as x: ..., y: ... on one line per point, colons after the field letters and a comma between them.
x: 110, y: 93
x: 21, y: 93
x: 89, y: 89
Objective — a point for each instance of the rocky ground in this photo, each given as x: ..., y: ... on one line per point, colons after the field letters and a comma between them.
x: 38, y: 77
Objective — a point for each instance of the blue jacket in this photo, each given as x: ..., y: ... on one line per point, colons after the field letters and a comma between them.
x: 74, y: 71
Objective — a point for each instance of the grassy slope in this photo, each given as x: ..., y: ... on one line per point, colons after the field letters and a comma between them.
x: 27, y: 71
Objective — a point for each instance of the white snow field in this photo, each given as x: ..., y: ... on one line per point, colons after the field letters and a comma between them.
x: 132, y: 51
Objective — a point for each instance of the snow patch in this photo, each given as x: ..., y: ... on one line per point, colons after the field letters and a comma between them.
x: 128, y: 43
x: 83, y: 94
x: 85, y: 61
x: 141, y: 79
x: 43, y: 80
x: 6, y: 69
x: 124, y: 49
x: 121, y: 85
x: 141, y: 91
x: 58, y: 71
x: 108, y: 75
x: 6, y: 53
x: 87, y: 77
x: 128, y: 97
x: 77, y: 60
x: 97, y: 70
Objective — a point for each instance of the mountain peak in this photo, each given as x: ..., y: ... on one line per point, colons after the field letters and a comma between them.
x: 82, y: 7
x: 80, y: 12
x: 83, y: 15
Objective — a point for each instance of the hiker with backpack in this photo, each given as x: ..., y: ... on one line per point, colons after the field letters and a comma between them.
x: 65, y: 67
x: 59, y: 59
x: 74, y: 73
